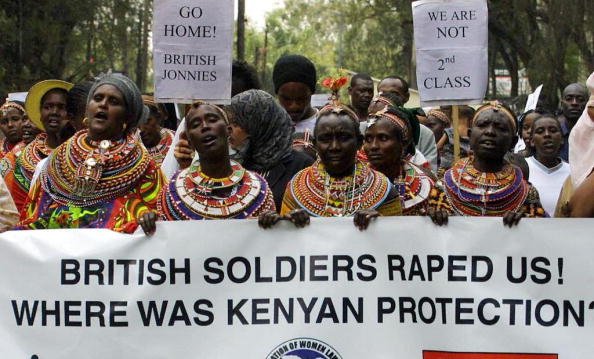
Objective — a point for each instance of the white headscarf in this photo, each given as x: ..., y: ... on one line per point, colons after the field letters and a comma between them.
x: 581, y: 142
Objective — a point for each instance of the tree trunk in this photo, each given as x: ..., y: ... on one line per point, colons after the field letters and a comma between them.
x: 241, y: 30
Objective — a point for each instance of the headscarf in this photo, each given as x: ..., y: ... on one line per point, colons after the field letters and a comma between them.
x: 294, y: 68
x: 440, y: 116
x: 496, y: 106
x: 581, y: 142
x: 136, y: 110
x: 268, y: 126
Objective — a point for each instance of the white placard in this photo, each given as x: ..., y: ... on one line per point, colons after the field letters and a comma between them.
x: 17, y: 96
x: 404, y: 288
x: 192, y: 49
x: 451, y: 40
x: 533, y: 99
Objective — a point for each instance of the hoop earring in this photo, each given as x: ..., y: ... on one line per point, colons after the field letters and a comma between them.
x: 85, y: 121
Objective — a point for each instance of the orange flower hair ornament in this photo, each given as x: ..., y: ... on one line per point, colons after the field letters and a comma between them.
x: 334, y: 84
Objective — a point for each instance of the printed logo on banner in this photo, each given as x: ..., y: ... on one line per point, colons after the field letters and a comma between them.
x: 428, y: 354
x: 303, y: 348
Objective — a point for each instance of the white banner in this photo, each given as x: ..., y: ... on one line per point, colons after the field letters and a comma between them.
x: 404, y: 288
x: 192, y: 49
x: 451, y: 40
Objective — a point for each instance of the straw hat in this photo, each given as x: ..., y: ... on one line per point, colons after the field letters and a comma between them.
x: 36, y: 93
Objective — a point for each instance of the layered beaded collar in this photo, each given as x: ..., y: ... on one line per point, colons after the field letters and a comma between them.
x: 159, y: 151
x: 413, y: 185
x: 28, y: 159
x: 190, y: 195
x: 475, y: 193
x: 325, y: 196
x: 83, y: 173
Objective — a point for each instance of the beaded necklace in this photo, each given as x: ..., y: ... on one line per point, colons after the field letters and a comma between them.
x: 190, y: 195
x: 324, y: 196
x: 159, y: 151
x: 83, y: 172
x: 413, y: 185
x: 475, y: 193
x: 28, y: 159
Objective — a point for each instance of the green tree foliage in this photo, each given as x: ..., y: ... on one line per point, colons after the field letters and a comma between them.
x: 552, y: 39
x: 72, y: 40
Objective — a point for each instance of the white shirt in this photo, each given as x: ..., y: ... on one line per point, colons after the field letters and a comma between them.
x: 548, y: 182
x: 307, y: 124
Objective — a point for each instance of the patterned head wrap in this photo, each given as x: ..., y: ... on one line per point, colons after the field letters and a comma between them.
x: 440, y: 116
x: 496, y: 106
x: 269, y: 128
x: 397, y: 118
x: 132, y: 97
x: 10, y: 104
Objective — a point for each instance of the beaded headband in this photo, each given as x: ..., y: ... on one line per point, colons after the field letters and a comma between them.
x: 400, y: 123
x: 440, y: 116
x: 222, y: 112
x: 338, y: 110
x: 496, y: 106
x: 9, y: 104
x: 382, y: 100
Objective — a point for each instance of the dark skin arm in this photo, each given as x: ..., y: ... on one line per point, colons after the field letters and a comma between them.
x: 148, y: 222
x: 581, y: 204
x: 299, y: 217
x: 184, y: 154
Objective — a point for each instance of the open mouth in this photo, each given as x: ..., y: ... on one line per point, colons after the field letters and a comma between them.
x: 487, y: 143
x: 209, y: 140
x: 53, y: 122
x: 101, y: 115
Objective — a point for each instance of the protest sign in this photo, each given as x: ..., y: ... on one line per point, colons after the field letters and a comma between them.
x: 192, y: 45
x: 451, y: 40
x: 532, y: 100
x: 404, y: 288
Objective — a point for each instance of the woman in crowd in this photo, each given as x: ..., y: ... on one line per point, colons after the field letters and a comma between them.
x: 338, y: 184
x: 101, y: 177
x: 547, y: 170
x: 11, y: 122
x: 524, y: 146
x: 46, y: 108
x: 437, y: 122
x: 262, y: 138
x: 485, y: 184
x: 215, y: 187
x: 387, y: 145
x: 445, y: 146
x: 9, y: 161
x: 391, y: 100
x: 155, y: 138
